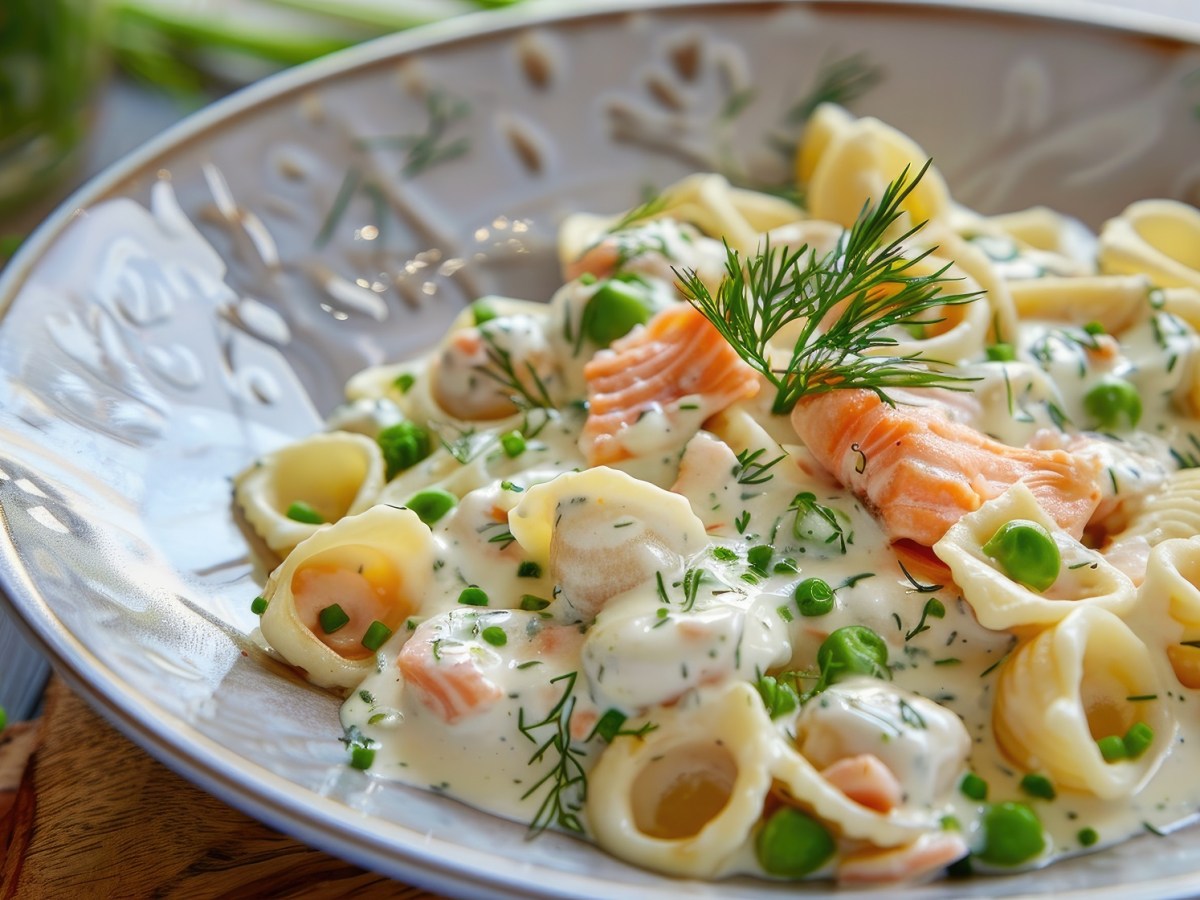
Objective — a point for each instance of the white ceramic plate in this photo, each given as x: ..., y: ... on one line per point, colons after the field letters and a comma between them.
x: 204, y: 301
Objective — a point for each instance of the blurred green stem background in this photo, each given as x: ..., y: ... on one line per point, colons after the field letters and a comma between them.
x: 59, y: 59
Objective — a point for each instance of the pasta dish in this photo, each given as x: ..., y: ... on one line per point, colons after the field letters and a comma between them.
x: 853, y: 538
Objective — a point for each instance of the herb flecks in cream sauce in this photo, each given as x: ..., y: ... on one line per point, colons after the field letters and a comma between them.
x: 886, y: 545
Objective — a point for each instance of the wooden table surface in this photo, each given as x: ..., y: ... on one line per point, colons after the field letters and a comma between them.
x: 90, y: 815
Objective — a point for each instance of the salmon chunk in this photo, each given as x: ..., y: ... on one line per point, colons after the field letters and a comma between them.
x: 919, y: 472
x: 677, y: 354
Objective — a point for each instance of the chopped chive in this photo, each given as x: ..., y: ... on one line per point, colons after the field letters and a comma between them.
x: 299, y: 511
x: 531, y: 603
x: 495, y: 636
x: 786, y: 566
x: 1087, y: 837
x: 759, y: 557
x: 332, y: 618
x: 1094, y: 328
x: 473, y: 596
x: 973, y: 787
x: 529, y: 569
x: 404, y: 382
x: 1001, y: 353
x: 1038, y: 786
x: 482, y: 311
x: 362, y: 757
x: 513, y: 444
x: 785, y: 613
x: 587, y: 278
x: 609, y: 724
x: 258, y: 605
x: 1138, y: 697
x: 948, y: 661
x: 1112, y: 748
x: 377, y: 634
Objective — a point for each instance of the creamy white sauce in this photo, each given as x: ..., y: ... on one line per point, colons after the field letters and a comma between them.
x: 736, y: 618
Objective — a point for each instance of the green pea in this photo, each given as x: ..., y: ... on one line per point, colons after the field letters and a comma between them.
x: 1001, y: 352
x: 1026, y: 552
x: 430, y: 505
x: 403, y: 444
x: 974, y: 787
x: 513, y: 443
x: 814, y: 597
x: 1112, y: 748
x: 792, y: 844
x: 1038, y: 786
x: 1138, y: 739
x: 1113, y: 401
x: 613, y: 311
x: 849, y: 651
x: 482, y: 311
x: 1012, y: 834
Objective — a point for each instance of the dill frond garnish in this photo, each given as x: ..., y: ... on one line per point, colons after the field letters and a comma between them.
x: 432, y: 146
x: 648, y: 209
x: 531, y: 394
x: 844, y: 305
x: 841, y: 81
x: 566, y: 781
x: 750, y: 471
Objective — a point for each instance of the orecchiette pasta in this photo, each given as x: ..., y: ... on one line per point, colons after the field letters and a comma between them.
x: 1156, y: 238
x: 1171, y: 601
x: 333, y: 475
x: 1169, y: 514
x: 373, y: 567
x: 845, y: 161
x: 602, y: 532
x: 999, y: 601
x: 1084, y: 679
x: 685, y: 798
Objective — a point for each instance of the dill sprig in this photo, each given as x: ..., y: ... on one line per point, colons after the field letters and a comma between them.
x: 428, y: 148
x: 648, y: 209
x: 566, y: 780
x: 750, y: 471
x: 841, y: 81
x: 502, y: 370
x: 862, y: 288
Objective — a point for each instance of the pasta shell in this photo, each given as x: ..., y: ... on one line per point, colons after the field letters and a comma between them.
x: 685, y: 798
x: 1069, y: 687
x: 1170, y: 596
x: 999, y: 602
x: 923, y: 744
x: 376, y: 566
x: 853, y: 161
x: 338, y: 474
x: 603, y: 532
x: 1115, y: 301
x: 1171, y: 514
x: 708, y: 201
x: 1156, y: 238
